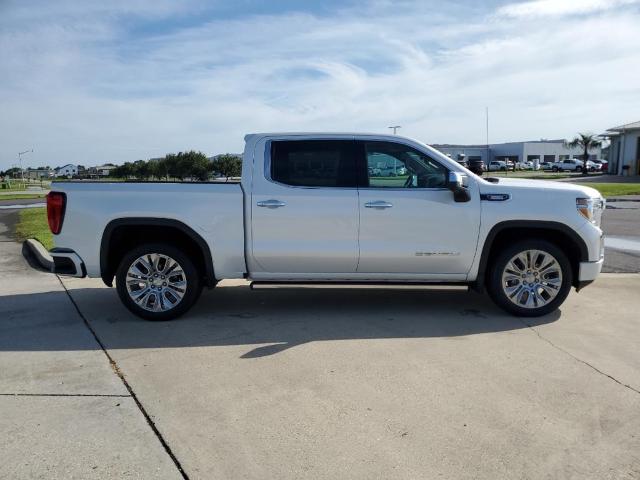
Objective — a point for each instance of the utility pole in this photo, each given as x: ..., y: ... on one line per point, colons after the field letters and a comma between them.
x: 395, y: 128
x: 487, y: 131
x: 20, y: 157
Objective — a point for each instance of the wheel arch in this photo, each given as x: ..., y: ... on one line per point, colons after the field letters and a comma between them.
x: 124, y: 233
x: 512, y: 230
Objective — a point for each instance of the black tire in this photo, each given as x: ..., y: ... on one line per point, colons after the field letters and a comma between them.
x: 499, y: 263
x: 554, y: 169
x: 578, y: 169
x: 191, y: 274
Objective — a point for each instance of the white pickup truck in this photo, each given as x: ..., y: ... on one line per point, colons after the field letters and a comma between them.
x: 309, y: 210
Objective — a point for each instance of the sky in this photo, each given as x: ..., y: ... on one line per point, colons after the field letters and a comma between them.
x: 96, y: 81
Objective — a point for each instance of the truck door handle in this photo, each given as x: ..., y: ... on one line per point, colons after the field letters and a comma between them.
x: 380, y: 204
x: 271, y: 203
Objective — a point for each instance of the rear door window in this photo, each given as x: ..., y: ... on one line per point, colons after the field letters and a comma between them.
x: 314, y: 163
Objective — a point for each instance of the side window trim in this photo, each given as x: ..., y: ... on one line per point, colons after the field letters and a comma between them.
x: 363, y: 169
x: 268, y: 164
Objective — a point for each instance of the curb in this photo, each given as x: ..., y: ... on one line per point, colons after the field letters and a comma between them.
x: 40, y: 253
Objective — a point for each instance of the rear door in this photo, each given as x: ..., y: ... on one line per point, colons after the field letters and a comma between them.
x: 305, y: 208
x: 409, y: 221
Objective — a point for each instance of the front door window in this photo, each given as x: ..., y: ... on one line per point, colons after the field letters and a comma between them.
x: 393, y: 165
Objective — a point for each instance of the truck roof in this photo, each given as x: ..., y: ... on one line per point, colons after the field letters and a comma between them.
x: 327, y: 134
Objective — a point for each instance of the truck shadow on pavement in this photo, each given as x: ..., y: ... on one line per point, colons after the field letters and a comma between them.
x: 267, y: 322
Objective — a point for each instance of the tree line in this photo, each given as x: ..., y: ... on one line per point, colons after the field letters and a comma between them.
x: 189, y: 165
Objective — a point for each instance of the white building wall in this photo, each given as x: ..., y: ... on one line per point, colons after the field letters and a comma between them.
x: 67, y: 170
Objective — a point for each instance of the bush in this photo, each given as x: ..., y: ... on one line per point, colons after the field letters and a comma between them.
x: 228, y: 165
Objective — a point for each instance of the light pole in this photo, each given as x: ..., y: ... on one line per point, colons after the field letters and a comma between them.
x: 20, y: 157
x: 395, y: 128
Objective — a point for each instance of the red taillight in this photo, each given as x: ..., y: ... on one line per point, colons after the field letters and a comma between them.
x: 56, y: 203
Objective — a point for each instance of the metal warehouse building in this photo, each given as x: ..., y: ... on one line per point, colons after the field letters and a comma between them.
x: 541, y: 150
x: 624, y: 152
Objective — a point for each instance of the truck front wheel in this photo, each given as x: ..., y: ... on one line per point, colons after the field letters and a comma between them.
x: 530, y: 278
x: 157, y: 281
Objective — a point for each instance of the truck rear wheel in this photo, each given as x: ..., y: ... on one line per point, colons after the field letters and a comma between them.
x: 157, y: 282
x: 530, y: 278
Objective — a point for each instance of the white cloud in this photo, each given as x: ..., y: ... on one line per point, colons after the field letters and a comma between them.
x: 117, y: 94
x: 539, y: 8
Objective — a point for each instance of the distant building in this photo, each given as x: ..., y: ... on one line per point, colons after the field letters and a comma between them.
x: 465, y: 152
x: 68, y: 170
x: 540, y: 150
x: 624, y: 151
x: 38, y: 173
x: 102, y: 170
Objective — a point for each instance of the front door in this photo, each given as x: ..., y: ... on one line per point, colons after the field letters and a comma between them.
x: 409, y: 221
x: 305, y: 209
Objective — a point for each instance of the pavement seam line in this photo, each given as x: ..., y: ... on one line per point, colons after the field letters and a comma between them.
x: 133, y: 395
x: 584, y: 362
x: 63, y: 395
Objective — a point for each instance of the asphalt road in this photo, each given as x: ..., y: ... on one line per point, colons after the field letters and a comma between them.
x: 7, y: 204
x: 621, y: 225
x: 320, y: 384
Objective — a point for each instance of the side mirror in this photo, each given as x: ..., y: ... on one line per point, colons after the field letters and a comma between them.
x: 460, y: 192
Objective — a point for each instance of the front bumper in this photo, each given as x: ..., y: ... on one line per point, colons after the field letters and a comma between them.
x: 588, y: 273
x: 67, y: 262
x: 590, y: 270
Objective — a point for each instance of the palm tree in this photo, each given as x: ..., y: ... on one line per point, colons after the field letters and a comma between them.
x: 586, y: 141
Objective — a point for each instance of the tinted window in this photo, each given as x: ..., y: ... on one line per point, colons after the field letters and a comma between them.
x: 314, y: 163
x: 393, y: 165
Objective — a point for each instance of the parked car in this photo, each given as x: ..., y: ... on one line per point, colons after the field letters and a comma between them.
x: 526, y: 165
x: 568, y: 165
x: 547, y: 165
x: 477, y: 166
x: 593, y: 166
x: 604, y: 165
x: 497, y: 165
x: 298, y: 215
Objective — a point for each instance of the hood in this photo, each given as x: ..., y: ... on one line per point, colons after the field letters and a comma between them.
x: 540, y: 185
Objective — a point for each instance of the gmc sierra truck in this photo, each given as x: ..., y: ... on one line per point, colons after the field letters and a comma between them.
x: 331, y: 208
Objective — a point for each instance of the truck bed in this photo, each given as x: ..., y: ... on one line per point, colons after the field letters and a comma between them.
x: 213, y: 210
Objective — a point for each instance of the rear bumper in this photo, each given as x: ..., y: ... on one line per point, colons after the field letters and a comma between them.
x: 67, y: 262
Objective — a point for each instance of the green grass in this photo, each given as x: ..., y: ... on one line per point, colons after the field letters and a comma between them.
x: 533, y: 175
x: 18, y: 185
x: 33, y: 224
x: 21, y: 196
x: 615, y: 189
x: 13, y: 186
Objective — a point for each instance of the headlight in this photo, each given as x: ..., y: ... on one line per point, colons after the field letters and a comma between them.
x: 590, y: 208
x: 585, y: 208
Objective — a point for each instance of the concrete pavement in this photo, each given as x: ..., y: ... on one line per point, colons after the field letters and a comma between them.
x: 397, y: 384
x: 65, y: 412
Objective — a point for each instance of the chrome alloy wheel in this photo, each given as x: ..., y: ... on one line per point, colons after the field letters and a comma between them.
x: 156, y: 282
x: 532, y: 279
